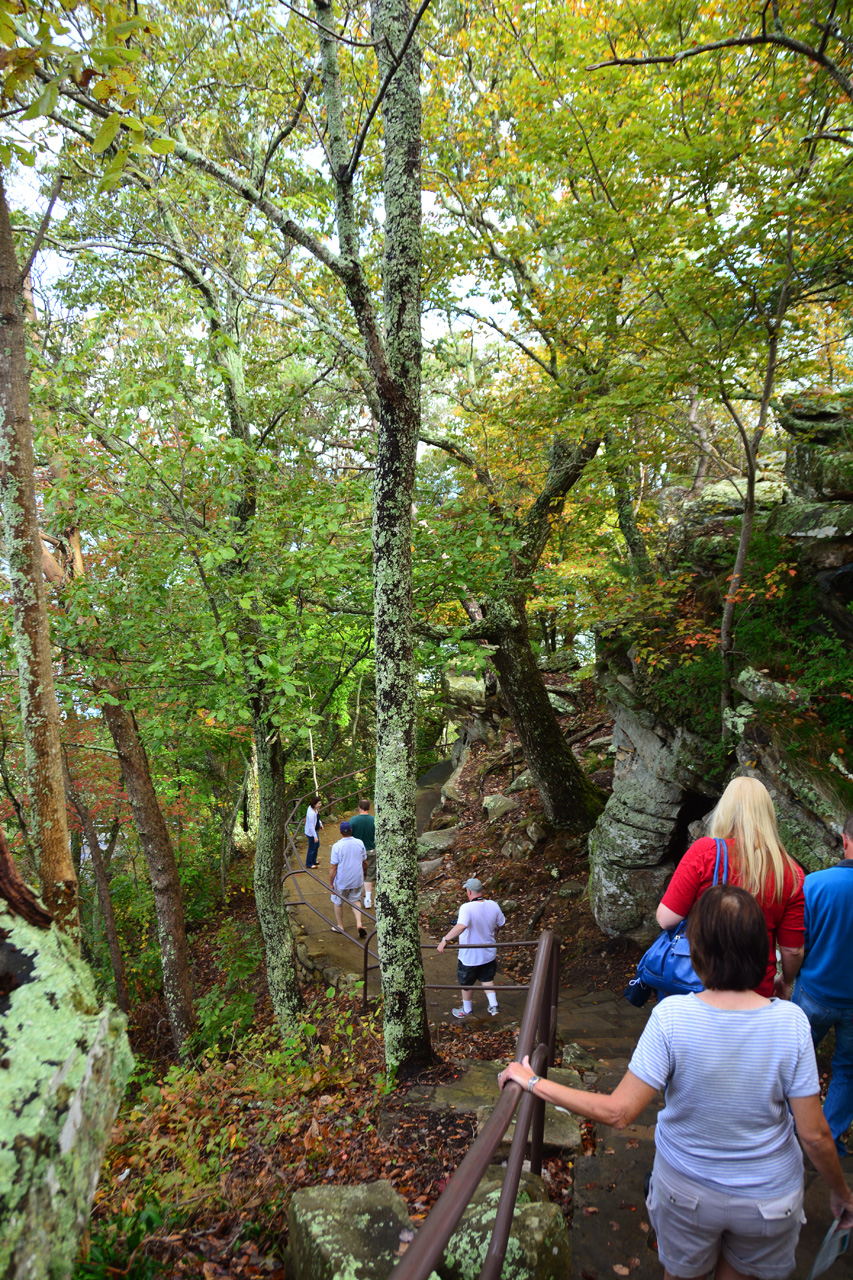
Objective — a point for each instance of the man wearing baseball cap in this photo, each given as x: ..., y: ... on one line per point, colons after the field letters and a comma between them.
x: 479, y: 919
x: 347, y: 862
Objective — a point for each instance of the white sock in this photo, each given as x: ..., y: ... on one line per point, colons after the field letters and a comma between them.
x: 492, y: 999
x: 467, y: 1005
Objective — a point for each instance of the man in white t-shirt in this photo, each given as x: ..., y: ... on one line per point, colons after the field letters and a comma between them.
x: 346, y: 877
x: 479, y: 919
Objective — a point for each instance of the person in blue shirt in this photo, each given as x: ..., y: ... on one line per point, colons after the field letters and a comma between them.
x: 824, y: 986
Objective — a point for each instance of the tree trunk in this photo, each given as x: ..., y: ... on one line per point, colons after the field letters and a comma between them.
x: 103, y: 887
x: 162, y: 866
x: 39, y: 710
x: 568, y: 797
x: 284, y: 990
x: 405, y: 1025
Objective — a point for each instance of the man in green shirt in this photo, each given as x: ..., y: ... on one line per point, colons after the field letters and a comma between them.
x: 364, y: 829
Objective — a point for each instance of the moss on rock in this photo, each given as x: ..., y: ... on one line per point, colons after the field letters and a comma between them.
x: 65, y: 1064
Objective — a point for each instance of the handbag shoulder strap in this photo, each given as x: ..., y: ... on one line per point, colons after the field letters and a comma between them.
x: 722, y: 848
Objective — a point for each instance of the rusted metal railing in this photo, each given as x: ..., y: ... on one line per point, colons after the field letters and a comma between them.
x: 536, y: 1037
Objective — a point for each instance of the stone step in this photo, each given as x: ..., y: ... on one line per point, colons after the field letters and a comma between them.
x: 610, y: 1226
x: 475, y: 1089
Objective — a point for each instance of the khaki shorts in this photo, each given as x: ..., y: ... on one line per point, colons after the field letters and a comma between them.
x: 370, y: 873
x: 352, y: 896
x: 694, y: 1224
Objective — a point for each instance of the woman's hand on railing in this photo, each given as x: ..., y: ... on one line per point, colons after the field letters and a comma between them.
x: 521, y: 1072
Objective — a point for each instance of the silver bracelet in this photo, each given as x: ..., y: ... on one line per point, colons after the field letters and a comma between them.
x: 531, y: 1082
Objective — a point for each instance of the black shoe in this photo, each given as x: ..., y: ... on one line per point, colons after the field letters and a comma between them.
x: 362, y: 933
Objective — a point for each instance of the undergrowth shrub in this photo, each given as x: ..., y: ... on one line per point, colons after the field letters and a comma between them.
x: 213, y: 1134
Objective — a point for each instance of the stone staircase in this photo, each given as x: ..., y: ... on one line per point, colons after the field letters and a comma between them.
x: 610, y: 1234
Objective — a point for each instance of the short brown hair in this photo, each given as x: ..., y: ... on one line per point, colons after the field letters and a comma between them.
x: 847, y: 829
x: 727, y: 933
x: 364, y: 805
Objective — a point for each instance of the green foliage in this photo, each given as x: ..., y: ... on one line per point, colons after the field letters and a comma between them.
x: 226, y: 1013
x: 119, y: 1239
x: 222, y: 1018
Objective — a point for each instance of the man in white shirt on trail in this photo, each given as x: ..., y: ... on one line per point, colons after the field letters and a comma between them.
x: 347, y: 862
x: 479, y: 919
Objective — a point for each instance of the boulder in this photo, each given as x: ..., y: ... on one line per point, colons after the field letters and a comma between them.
x: 436, y: 841
x: 346, y: 1233
x: 538, y: 1247
x: 561, y: 661
x: 536, y: 832
x: 452, y: 790
x: 819, y: 464
x: 65, y: 1063
x: 497, y: 805
x: 523, y: 782
x: 429, y: 869
x: 560, y: 704
x: 517, y: 849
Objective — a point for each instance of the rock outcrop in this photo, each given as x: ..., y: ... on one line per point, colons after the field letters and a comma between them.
x: 667, y: 776
x: 64, y: 1064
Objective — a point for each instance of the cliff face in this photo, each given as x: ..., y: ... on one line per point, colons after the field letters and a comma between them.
x: 794, y: 717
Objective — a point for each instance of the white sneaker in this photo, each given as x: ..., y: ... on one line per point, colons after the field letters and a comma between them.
x: 493, y: 1010
x: 462, y: 1014
x: 368, y: 899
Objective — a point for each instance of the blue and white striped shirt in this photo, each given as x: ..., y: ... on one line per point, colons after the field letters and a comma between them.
x: 727, y: 1075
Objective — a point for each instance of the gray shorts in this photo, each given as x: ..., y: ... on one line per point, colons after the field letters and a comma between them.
x: 352, y: 896
x: 694, y: 1224
x: 370, y: 873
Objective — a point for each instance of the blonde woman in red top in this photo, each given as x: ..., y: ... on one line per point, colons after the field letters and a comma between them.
x: 746, y: 820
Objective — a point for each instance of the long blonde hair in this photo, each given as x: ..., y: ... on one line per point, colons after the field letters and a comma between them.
x: 745, y: 814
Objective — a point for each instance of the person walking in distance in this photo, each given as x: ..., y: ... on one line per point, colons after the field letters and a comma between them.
x: 479, y: 919
x: 824, y: 985
x: 346, y: 877
x: 313, y: 827
x: 364, y: 829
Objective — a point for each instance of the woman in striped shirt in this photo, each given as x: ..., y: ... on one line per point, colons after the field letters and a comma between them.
x: 738, y: 1072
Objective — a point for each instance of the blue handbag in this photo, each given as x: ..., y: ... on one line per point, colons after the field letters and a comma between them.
x: 666, y: 966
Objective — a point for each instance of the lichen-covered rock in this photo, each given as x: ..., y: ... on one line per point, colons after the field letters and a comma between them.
x: 538, y: 1247
x: 497, y: 806
x: 346, y: 1233
x: 523, y: 782
x: 727, y: 497
x: 819, y: 464
x: 463, y: 691
x: 64, y: 1064
x: 755, y: 686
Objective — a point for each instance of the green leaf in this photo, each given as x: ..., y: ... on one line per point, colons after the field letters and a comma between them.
x: 106, y: 133
x: 163, y: 146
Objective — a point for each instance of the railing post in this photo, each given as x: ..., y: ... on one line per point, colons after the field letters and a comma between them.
x: 367, y: 942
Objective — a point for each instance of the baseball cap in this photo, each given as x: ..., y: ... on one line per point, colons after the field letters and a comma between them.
x: 474, y: 885
x: 346, y: 828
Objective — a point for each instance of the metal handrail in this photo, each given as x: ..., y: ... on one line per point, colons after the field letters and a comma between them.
x: 536, y: 1037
